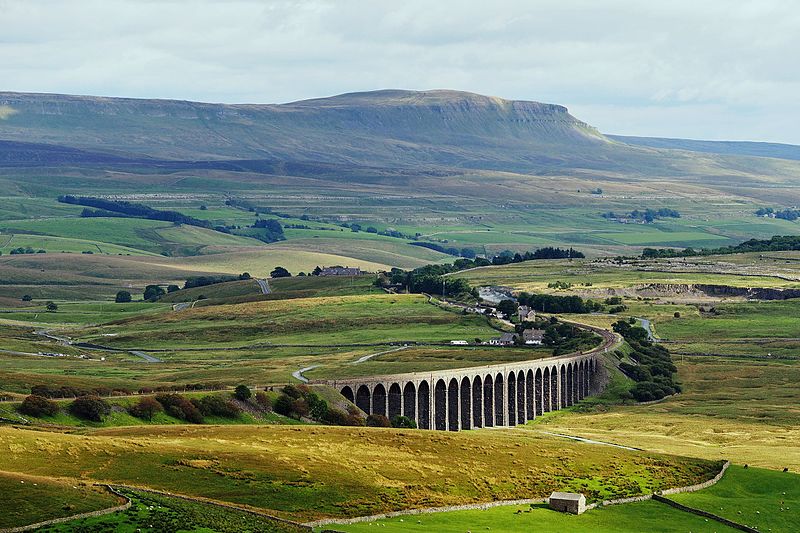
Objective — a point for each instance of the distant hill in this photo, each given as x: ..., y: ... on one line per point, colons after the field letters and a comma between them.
x: 395, y: 138
x: 744, y: 148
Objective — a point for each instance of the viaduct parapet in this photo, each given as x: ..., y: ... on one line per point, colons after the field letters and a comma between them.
x: 477, y: 397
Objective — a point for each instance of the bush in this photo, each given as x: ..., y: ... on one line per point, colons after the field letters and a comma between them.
x: 262, y: 399
x: 27, y: 298
x: 216, y: 405
x: 153, y: 293
x: 242, y: 393
x: 123, y: 297
x: 401, y: 421
x: 280, y: 272
x: 677, y: 314
x: 179, y: 407
x: 38, y: 406
x: 51, y: 307
x: 378, y: 421
x: 90, y: 408
x: 283, y: 405
x: 146, y: 408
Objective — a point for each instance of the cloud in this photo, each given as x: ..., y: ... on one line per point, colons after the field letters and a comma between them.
x: 652, y: 68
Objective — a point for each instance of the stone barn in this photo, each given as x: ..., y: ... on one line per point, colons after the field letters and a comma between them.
x: 567, y: 502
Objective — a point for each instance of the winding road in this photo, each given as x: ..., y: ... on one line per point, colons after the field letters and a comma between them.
x: 264, y: 285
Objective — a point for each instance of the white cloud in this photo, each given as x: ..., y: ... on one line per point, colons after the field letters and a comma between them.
x: 715, y: 69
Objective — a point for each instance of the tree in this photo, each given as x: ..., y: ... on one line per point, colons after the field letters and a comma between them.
x: 508, y: 307
x: 203, y: 207
x: 677, y: 314
x: 27, y: 298
x: 38, y: 406
x: 123, y: 297
x: 280, y: 272
x: 146, y: 408
x: 242, y: 393
x: 153, y: 292
x: 90, y: 408
x: 173, y: 288
x: 51, y: 307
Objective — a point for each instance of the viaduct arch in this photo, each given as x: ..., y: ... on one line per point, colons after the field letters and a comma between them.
x: 477, y: 397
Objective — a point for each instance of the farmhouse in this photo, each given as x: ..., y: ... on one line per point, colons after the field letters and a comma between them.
x: 567, y: 502
x: 533, y: 336
x: 506, y: 339
x: 340, y: 271
x: 526, y: 313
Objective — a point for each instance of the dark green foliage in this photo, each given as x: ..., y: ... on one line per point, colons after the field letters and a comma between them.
x: 217, y: 405
x: 146, y: 408
x: 153, y: 292
x: 242, y: 393
x: 654, y: 371
x: 38, y: 406
x: 401, y: 421
x: 280, y: 272
x: 51, y: 307
x: 263, y: 401
x: 130, y: 209
x: 775, y: 244
x: 203, y: 281
x: 270, y: 231
x: 550, y: 303
x: 90, y: 408
x: 508, y: 307
x: 27, y: 298
x: 648, y: 215
x: 123, y: 297
x: 172, y: 288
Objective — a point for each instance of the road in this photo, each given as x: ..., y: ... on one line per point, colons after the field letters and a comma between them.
x: 264, y: 285
x: 370, y: 356
x: 146, y: 357
x: 298, y: 375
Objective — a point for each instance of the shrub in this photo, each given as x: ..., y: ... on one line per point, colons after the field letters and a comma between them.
x: 179, y: 407
x: 38, y: 406
x: 401, y: 421
x: 123, y: 297
x: 242, y: 393
x: 153, y: 292
x: 216, y: 405
x: 51, y: 307
x: 90, y: 408
x: 677, y: 314
x: 27, y: 298
x: 262, y: 399
x: 146, y: 408
x: 378, y: 421
x: 283, y: 405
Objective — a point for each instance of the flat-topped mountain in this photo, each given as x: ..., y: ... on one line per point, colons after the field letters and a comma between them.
x: 371, y: 128
x: 352, y: 136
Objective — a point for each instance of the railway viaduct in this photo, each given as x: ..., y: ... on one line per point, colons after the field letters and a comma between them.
x: 478, y: 397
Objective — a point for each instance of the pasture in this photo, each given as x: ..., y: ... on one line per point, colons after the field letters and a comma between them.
x: 308, y: 472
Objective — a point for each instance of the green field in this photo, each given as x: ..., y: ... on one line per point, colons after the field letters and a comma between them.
x: 37, y: 498
x: 378, y: 319
x: 174, y: 514
x: 629, y: 518
x: 764, y: 499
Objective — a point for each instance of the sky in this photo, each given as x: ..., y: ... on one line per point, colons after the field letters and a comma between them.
x: 702, y: 69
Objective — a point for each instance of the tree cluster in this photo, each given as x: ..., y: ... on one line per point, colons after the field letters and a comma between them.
x: 299, y: 401
x: 646, y: 215
x: 778, y: 243
x: 129, y: 209
x: 654, y: 372
x: 551, y: 303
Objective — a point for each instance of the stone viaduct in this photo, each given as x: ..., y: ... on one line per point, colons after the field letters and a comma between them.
x: 477, y: 397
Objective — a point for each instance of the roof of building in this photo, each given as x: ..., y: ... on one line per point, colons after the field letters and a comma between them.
x: 533, y: 334
x: 572, y: 496
x: 508, y: 337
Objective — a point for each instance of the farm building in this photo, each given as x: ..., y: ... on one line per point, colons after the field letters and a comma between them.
x: 533, y: 336
x: 567, y: 502
x: 340, y: 271
x: 506, y: 339
x: 526, y: 313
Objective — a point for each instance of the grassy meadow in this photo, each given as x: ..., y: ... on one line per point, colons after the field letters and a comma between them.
x: 308, y: 472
